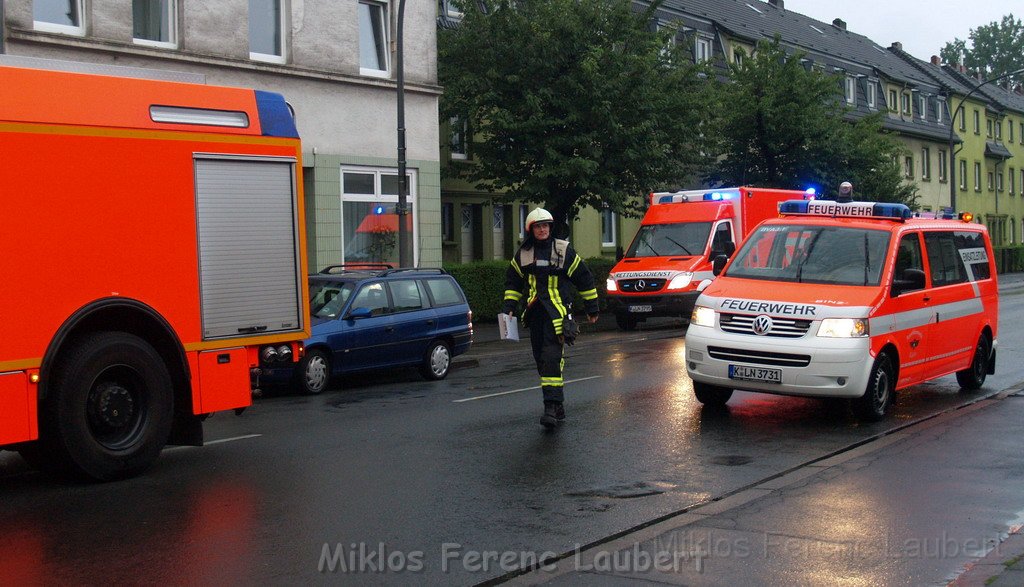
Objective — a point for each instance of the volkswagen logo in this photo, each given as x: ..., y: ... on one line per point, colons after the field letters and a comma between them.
x: 762, y: 324
x: 640, y: 285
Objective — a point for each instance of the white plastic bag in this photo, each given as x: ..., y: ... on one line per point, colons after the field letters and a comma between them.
x: 508, y: 327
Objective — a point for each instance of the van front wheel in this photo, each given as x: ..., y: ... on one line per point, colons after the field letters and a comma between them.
x: 877, y: 398
x: 711, y: 395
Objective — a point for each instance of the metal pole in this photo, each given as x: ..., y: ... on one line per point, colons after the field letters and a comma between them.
x: 952, y: 121
x: 404, y: 253
x: 3, y: 27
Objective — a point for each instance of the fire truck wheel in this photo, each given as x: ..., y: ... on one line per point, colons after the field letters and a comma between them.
x: 625, y: 322
x: 314, y: 372
x: 973, y: 376
x: 109, y: 408
x: 711, y: 395
x: 437, y: 361
x: 878, y: 396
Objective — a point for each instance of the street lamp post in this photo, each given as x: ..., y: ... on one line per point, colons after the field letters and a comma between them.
x: 952, y: 125
x: 402, y: 211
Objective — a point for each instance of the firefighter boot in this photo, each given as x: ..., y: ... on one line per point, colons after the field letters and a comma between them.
x: 550, y: 417
x: 559, y: 411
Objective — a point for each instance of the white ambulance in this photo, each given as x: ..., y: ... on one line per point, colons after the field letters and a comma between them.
x: 848, y: 300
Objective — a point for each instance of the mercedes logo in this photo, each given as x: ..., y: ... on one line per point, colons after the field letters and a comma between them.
x: 640, y: 285
x: 762, y: 324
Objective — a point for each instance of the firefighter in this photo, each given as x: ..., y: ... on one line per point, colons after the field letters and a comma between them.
x: 543, y: 268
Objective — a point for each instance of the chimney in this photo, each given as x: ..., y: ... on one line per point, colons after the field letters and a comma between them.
x: 898, y: 46
x: 936, y: 60
x: 780, y: 4
x: 839, y: 24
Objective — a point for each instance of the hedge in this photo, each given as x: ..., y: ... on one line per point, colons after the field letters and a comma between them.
x: 484, y: 284
x: 1009, y: 259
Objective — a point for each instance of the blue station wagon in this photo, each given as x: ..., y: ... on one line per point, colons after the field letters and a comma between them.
x: 366, y: 317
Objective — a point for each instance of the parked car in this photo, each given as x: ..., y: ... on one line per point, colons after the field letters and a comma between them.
x: 368, y: 317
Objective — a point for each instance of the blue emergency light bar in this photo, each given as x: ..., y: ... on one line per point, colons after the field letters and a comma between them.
x: 678, y: 198
x: 845, y: 209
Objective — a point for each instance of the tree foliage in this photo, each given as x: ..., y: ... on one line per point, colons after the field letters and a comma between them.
x: 782, y: 125
x: 572, y: 103
x: 996, y: 49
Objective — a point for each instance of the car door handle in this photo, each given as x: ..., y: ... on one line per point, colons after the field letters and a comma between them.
x: 430, y: 322
x: 389, y: 329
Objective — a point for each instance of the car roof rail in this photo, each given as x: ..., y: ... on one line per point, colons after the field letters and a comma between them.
x: 346, y: 267
x: 437, y: 270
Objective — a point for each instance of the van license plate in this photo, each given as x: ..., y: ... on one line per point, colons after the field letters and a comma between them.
x: 755, y: 374
x: 645, y: 308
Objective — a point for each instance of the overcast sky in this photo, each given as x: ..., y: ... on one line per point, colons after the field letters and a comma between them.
x: 922, y: 27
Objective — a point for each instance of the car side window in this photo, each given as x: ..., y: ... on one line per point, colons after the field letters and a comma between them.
x: 947, y: 268
x: 407, y: 295
x: 374, y: 297
x: 908, y: 256
x: 445, y: 292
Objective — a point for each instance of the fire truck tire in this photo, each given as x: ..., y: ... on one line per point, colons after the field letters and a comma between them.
x: 314, y: 372
x: 437, y: 361
x: 625, y: 322
x: 109, y: 407
x: 711, y: 395
x: 973, y: 377
x: 873, y: 405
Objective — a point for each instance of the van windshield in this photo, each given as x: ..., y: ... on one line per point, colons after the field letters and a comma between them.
x: 813, y: 254
x: 670, y: 240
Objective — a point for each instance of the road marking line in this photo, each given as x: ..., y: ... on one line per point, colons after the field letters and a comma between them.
x: 218, y: 441
x: 469, y: 399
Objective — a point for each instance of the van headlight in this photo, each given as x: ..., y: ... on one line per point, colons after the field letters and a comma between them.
x: 680, y: 281
x: 610, y: 285
x: 843, y: 328
x: 703, y: 316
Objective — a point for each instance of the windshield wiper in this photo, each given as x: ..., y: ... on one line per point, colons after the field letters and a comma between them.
x: 867, y: 258
x: 656, y: 253
x: 807, y: 255
x: 686, y: 250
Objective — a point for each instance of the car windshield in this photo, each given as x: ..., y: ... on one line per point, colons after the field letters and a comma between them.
x: 670, y: 240
x: 327, y: 298
x: 812, y: 254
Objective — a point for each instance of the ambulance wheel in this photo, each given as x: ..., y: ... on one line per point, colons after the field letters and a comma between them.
x: 313, y: 373
x: 711, y: 395
x: 974, y: 375
x: 109, y: 408
x: 625, y: 322
x: 877, y: 398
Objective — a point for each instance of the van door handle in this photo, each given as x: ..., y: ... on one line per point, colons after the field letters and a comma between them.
x: 927, y: 298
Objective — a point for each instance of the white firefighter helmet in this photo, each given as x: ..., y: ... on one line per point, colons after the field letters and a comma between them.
x: 845, y: 187
x: 538, y: 215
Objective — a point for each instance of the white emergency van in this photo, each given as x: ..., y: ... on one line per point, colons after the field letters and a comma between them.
x: 847, y: 300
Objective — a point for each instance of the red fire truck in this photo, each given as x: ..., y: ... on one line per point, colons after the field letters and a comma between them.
x: 670, y: 256
x: 153, y: 260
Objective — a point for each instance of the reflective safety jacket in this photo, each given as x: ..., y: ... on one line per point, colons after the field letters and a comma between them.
x: 543, y: 272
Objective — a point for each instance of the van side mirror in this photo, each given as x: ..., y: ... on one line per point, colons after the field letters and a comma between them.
x: 718, y: 263
x: 911, y: 280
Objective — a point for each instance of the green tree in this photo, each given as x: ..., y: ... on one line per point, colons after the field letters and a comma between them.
x: 997, y: 48
x: 782, y: 125
x: 572, y: 103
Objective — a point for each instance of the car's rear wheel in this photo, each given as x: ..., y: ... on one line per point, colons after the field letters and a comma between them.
x: 314, y: 372
x: 973, y: 377
x: 437, y: 361
x: 711, y: 395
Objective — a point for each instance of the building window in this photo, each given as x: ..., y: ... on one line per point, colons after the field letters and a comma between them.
x: 926, y: 163
x: 963, y: 121
x: 266, y: 31
x: 988, y: 127
x: 999, y: 129
x: 1012, y: 177
x: 871, y: 94
x: 893, y: 105
x: 999, y: 182
x: 977, y: 122
x: 737, y: 55
x: 607, y: 227
x: 922, y: 107
x: 991, y: 181
x: 942, y: 165
x: 908, y: 167
x: 702, y: 50
x: 851, y: 90
x: 940, y: 107
x: 58, y: 16
x: 963, y: 174
x: 448, y: 222
x: 369, y: 218
x: 460, y: 137
x: 373, y: 39
x: 1009, y: 130
x: 977, y: 176
x: 905, y: 103
x: 154, y: 22
x: 450, y: 9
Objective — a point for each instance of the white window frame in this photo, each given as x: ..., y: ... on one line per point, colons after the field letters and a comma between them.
x: 378, y: 196
x: 172, y: 32
x: 998, y: 124
x: 702, y: 42
x: 906, y: 104
x: 922, y: 107
x: 977, y: 176
x: 609, y: 216
x: 451, y: 10
x: 524, y: 211
x: 385, y: 23
x: 943, y: 164
x: 851, y: 89
x: 894, y: 97
x: 963, y: 174
x: 926, y: 163
x: 52, y: 27
x: 939, y: 107
x: 908, y: 166
x: 999, y: 182
x: 872, y: 95
x: 270, y: 58
x: 1012, y: 176
x: 459, y: 127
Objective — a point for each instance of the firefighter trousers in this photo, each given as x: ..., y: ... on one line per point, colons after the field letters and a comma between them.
x: 547, y: 352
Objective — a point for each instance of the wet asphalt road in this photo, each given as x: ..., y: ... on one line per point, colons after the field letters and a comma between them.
x: 419, y: 479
